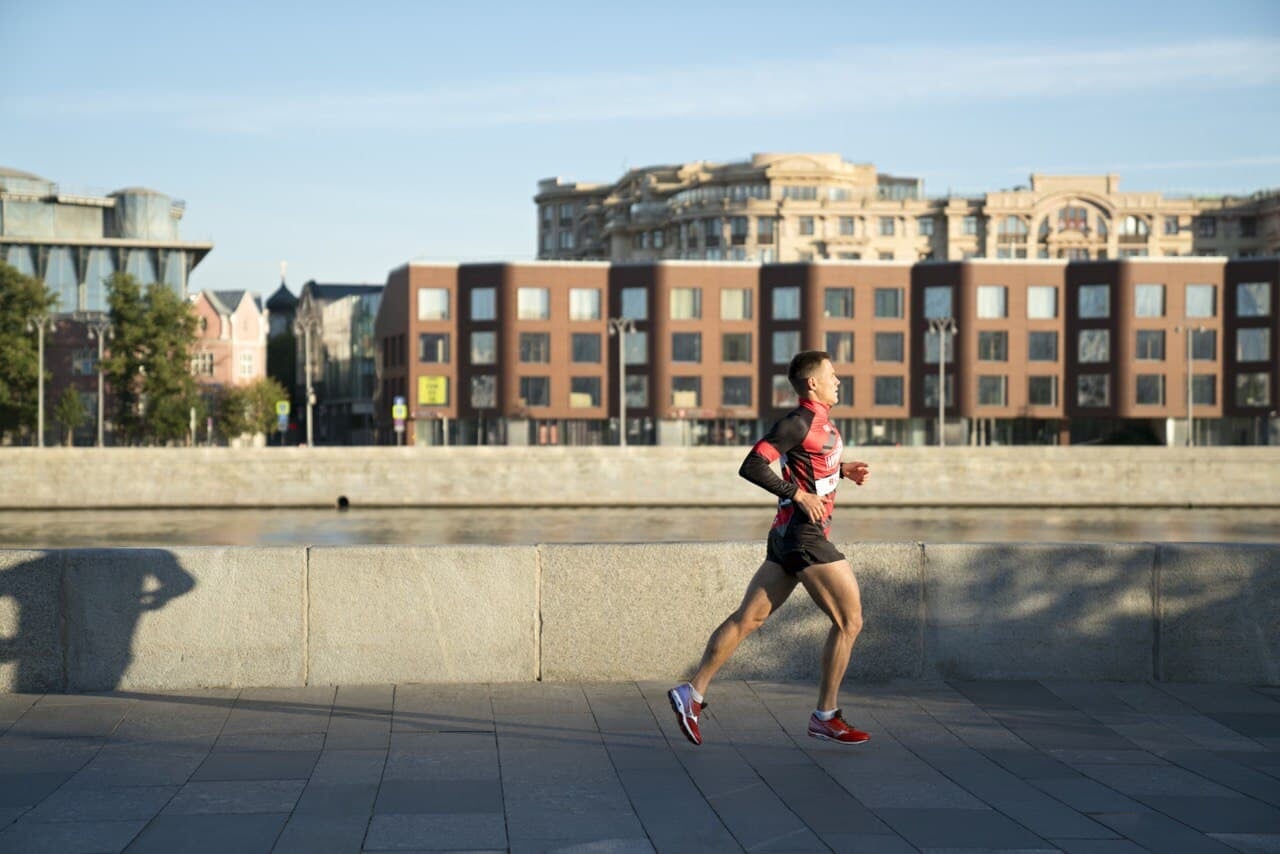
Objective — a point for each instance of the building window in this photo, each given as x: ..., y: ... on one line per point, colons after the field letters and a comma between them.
x: 783, y: 395
x: 738, y: 230
x: 1042, y: 391
x: 535, y: 391
x: 433, y: 304
x: 889, y: 302
x: 840, y: 346
x: 1042, y: 302
x: 484, y: 348
x: 764, y: 230
x: 1042, y: 346
x: 1204, y: 345
x: 584, y: 392
x: 637, y: 391
x: 1253, y: 299
x: 1093, y: 390
x: 433, y: 347
x: 635, y: 303
x: 246, y: 365
x: 993, y: 346
x: 84, y: 362
x: 1202, y: 301
x: 1150, y: 345
x: 686, y: 347
x: 970, y: 225
x: 637, y: 349
x: 837, y: 302
x: 992, y: 390
x: 712, y: 230
x: 1095, y: 301
x: 886, y: 226
x: 1012, y: 226
x: 1248, y: 226
x: 1095, y: 345
x: 1133, y: 226
x: 584, y: 304
x: 937, y: 302
x: 1253, y: 389
x: 846, y: 226
x: 785, y: 345
x: 884, y: 256
x: 1073, y: 218
x: 844, y: 394
x: 786, y: 303
x: 806, y: 226
x: 566, y: 214
x: 1149, y: 390
x: 1253, y: 345
x: 686, y: 303
x: 686, y: 392
x: 993, y: 301
x: 484, y: 303
x: 925, y: 226
x: 201, y: 365
x: 566, y: 239
x: 736, y: 391
x: 1204, y: 390
x: 1171, y: 225
x: 931, y: 348
x: 735, y: 304
x: 535, y: 347
x: 930, y: 389
x: 1206, y: 226
x: 659, y: 238
x: 533, y: 303
x: 484, y: 391
x: 888, y: 391
x: 736, y: 347
x: 889, y: 346
x: 1148, y: 301
x: 586, y: 347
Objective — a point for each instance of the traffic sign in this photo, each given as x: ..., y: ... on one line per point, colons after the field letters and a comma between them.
x: 282, y: 408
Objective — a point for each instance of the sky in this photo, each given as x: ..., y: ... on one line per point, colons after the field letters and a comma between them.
x: 348, y: 139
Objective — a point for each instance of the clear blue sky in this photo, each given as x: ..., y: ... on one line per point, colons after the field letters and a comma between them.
x: 350, y: 138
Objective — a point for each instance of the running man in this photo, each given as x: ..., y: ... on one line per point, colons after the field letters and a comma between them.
x: 798, y: 549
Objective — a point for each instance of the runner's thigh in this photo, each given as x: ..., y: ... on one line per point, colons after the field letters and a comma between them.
x: 835, y: 589
x: 769, y: 588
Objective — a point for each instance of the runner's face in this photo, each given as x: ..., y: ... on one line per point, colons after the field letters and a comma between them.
x: 825, y: 384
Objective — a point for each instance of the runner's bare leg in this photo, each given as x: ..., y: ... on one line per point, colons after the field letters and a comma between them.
x: 835, y: 589
x: 769, y: 588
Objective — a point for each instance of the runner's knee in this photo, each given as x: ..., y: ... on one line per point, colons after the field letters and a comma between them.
x: 848, y: 622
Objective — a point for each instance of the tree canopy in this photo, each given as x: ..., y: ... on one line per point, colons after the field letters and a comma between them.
x: 22, y: 298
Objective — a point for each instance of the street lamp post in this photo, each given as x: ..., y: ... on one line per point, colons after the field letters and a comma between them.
x: 38, y: 324
x: 942, y: 327
x: 306, y: 325
x: 99, y: 328
x: 620, y: 326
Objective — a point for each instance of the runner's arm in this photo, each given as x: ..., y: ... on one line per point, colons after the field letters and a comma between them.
x: 785, y: 435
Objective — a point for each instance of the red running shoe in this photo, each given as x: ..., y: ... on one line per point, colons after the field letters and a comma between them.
x: 687, y: 710
x: 836, y: 729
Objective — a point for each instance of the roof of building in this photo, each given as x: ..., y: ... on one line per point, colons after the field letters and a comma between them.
x: 282, y: 300
x: 329, y: 293
x: 226, y: 302
x: 6, y: 172
x: 137, y: 191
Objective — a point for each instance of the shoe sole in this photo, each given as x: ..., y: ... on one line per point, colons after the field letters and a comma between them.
x: 678, y: 708
x: 836, y: 740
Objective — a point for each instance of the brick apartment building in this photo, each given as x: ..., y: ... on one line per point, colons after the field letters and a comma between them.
x: 1046, y: 351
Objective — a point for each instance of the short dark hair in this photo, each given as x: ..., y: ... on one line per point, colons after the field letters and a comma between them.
x: 803, y: 365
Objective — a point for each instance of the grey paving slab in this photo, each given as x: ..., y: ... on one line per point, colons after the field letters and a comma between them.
x: 758, y: 817
x: 73, y: 837
x: 1076, y: 756
x: 439, y: 796
x: 1155, y: 780
x: 865, y: 843
x: 8, y: 815
x: 442, y: 708
x: 1086, y: 796
x: 1157, y: 832
x: 442, y: 756
x: 25, y: 790
x: 322, y: 834
x: 436, y: 832
x: 19, y: 754
x: 240, y: 796
x: 116, y: 804
x: 337, y: 799
x: 1250, y: 841
x: 209, y: 834
x: 350, y: 766
x: 948, y: 828
x: 141, y: 764
x: 1218, y: 815
x: 1098, y: 846
x: 48, y: 719
x: 1229, y: 772
x: 257, y: 765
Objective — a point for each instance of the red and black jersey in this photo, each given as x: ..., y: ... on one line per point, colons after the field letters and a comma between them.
x: 810, y: 447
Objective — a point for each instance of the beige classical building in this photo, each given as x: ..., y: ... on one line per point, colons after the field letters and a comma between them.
x: 806, y: 207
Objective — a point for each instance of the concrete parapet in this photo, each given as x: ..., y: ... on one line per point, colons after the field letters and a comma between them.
x: 1219, y: 613
x: 1032, y: 611
x: 94, y: 619
x: 423, y: 614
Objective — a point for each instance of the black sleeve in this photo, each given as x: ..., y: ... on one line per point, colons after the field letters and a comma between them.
x: 781, y: 438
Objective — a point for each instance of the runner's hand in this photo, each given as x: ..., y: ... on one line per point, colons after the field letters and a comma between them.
x: 813, y: 506
x: 855, y: 471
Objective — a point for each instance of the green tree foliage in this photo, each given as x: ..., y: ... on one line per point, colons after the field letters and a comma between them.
x: 150, y: 363
x: 250, y: 409
x: 21, y: 299
x: 70, y: 413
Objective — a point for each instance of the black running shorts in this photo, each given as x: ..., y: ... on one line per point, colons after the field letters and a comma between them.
x: 801, y: 545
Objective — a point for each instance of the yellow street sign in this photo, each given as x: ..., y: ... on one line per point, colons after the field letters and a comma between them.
x: 433, y: 391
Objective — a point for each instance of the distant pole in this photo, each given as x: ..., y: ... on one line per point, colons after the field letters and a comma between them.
x: 620, y: 326
x: 38, y: 324
x: 1191, y: 440
x: 100, y: 328
x: 305, y: 326
x: 942, y: 327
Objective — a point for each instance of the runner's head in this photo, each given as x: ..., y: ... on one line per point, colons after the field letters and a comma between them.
x: 813, y: 377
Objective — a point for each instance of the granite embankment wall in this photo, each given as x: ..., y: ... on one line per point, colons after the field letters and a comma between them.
x: 139, y: 619
x: 70, y: 478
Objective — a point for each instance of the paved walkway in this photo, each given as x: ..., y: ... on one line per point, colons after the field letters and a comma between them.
x: 1076, y: 767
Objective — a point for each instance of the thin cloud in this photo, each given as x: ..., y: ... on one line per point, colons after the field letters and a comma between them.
x: 852, y: 79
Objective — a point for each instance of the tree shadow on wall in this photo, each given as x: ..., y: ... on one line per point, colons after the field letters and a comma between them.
x: 68, y: 617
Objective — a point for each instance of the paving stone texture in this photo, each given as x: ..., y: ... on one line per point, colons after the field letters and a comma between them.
x: 600, y: 767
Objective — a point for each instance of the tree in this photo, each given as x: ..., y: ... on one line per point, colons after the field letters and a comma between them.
x: 248, y: 409
x: 150, y: 363
x: 70, y: 413
x: 21, y: 299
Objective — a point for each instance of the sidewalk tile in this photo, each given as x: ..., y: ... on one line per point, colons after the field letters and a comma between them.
x: 436, y: 832
x: 246, y: 796
x: 320, y: 834
x: 68, y: 837
x: 116, y: 804
x: 209, y: 834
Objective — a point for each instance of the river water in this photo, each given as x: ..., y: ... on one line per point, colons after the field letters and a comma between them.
x: 427, y: 526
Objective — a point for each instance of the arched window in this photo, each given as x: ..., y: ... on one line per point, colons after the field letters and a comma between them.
x: 1073, y: 218
x: 1134, y: 226
x: 1013, y: 225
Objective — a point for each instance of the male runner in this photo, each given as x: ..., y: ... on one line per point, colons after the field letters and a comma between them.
x: 798, y: 549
